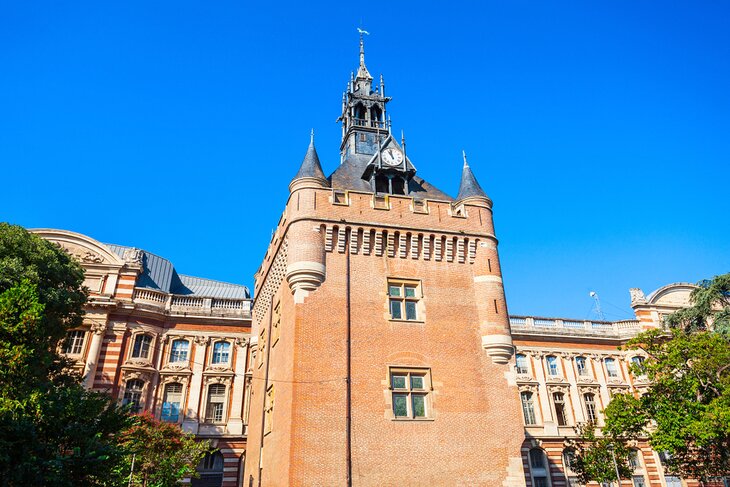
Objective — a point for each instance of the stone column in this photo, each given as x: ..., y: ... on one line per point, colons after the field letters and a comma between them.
x: 92, y: 360
x: 235, y: 419
x: 192, y: 419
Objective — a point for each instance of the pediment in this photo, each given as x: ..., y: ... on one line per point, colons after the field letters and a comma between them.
x: 85, y: 249
x: 672, y: 295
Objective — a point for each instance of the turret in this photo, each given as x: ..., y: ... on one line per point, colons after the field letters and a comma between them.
x: 469, y: 190
x: 310, y: 173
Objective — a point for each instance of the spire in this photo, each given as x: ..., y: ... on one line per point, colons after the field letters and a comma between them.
x: 362, y: 71
x: 469, y: 187
x: 310, y: 168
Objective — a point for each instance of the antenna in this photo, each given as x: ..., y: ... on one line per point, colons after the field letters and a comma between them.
x: 597, y: 305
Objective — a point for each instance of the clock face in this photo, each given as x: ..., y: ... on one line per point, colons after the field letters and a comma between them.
x: 392, y: 157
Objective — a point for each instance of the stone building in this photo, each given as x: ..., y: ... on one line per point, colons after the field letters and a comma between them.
x: 171, y: 344
x: 381, y: 347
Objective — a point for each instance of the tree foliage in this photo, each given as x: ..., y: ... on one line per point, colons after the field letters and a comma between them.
x: 685, y: 410
x: 162, y: 453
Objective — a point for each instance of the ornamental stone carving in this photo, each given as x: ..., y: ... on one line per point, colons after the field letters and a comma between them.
x: 217, y: 379
x: 202, y: 341
x: 172, y: 378
x: 524, y: 378
x: 527, y: 388
x: 133, y: 256
x: 98, y: 328
x: 637, y: 296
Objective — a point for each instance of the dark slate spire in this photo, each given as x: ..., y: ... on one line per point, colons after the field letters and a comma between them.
x: 310, y: 168
x: 469, y: 187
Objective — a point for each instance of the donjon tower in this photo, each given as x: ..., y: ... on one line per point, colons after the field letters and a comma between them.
x: 382, y: 331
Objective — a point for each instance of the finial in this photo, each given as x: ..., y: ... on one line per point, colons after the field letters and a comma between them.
x: 402, y: 137
x: 311, y: 137
x: 362, y: 45
x: 463, y: 153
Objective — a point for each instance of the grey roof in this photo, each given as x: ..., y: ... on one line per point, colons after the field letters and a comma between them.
x: 158, y: 273
x: 310, y: 168
x: 349, y: 176
x: 469, y: 186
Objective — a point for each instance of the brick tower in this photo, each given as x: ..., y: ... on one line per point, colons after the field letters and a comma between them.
x: 383, y: 333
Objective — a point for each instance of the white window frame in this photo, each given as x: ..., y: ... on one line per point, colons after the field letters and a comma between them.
x: 71, y: 341
x: 209, y: 413
x: 550, y: 369
x: 227, y: 352
x: 165, y: 397
x: 177, y: 360
x: 531, y: 403
x: 525, y: 370
x: 150, y: 346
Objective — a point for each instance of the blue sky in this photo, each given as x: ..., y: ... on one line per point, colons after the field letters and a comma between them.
x: 601, y: 130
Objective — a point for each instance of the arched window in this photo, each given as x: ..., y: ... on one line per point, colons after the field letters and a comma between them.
x: 359, y: 111
x: 210, y: 470
x: 638, y: 362
x: 521, y: 364
x: 539, y: 468
x: 589, y: 399
x: 375, y: 115
x: 611, y: 368
x: 221, y: 352
x: 74, y: 342
x: 141, y: 348
x: 552, y: 365
x: 571, y: 480
x: 528, y: 408
x: 561, y: 414
x: 133, y: 395
x: 179, y: 351
x: 582, y: 366
x: 171, y: 403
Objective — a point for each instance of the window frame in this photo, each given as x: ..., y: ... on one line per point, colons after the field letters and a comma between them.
x: 593, y: 409
x: 613, y: 371
x: 227, y: 351
x: 186, y: 356
x: 584, y: 368
x: 139, y: 393
x: 527, y: 400
x: 525, y: 370
x: 133, y: 352
x: 410, y: 392
x: 550, y: 368
x: 542, y: 472
x: 210, y: 413
x: 563, y: 410
x: 165, y: 396
x: 403, y: 299
x: 71, y: 343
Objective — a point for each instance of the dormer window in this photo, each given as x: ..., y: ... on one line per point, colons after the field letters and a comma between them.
x: 142, y: 344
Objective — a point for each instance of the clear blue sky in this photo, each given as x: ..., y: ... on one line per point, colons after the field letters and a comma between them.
x: 601, y: 130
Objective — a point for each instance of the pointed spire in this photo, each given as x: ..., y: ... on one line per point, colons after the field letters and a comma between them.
x: 469, y: 187
x: 362, y: 71
x: 310, y: 168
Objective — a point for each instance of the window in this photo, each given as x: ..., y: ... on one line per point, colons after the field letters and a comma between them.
x: 216, y: 403
x: 221, y: 353
x: 410, y: 393
x: 638, y: 481
x: 141, y: 347
x: 538, y: 468
x: 179, y: 351
x: 590, y: 403
x: 210, y: 470
x: 634, y: 460
x: 611, y: 368
x: 582, y: 366
x: 638, y: 362
x: 403, y: 300
x: 171, y: 403
x: 521, y: 364
x: 528, y: 408
x: 262, y: 346
x: 269, y: 410
x: 73, y: 343
x: 133, y: 395
x: 673, y: 481
x: 568, y: 461
x: 560, y: 412
x: 552, y: 365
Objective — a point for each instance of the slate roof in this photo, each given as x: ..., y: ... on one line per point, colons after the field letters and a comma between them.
x: 310, y: 168
x: 469, y: 186
x: 349, y: 176
x: 158, y: 273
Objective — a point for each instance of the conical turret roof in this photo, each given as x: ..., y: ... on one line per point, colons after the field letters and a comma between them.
x: 310, y: 168
x: 469, y: 187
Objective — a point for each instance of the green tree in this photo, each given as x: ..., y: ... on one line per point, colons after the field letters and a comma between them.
x: 52, y: 430
x: 685, y: 411
x: 162, y: 454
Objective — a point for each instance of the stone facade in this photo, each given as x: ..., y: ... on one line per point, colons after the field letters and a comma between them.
x: 164, y: 352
